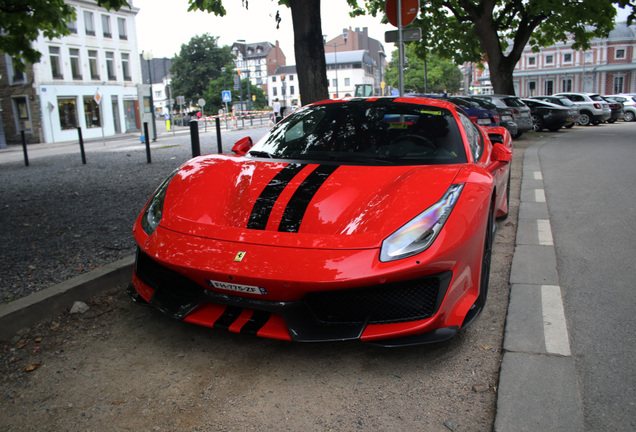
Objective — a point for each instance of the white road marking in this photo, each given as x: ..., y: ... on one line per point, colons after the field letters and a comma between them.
x: 545, y: 232
x: 554, y: 325
x: 539, y: 195
x: 538, y: 175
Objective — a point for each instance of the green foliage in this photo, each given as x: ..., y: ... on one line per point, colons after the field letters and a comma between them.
x: 198, y: 62
x: 21, y: 22
x: 442, y: 75
x: 213, y: 97
x: 499, y: 30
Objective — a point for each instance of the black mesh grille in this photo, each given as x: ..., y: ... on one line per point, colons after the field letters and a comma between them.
x: 410, y: 300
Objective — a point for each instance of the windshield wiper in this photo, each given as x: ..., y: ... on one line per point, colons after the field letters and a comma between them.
x: 259, y: 153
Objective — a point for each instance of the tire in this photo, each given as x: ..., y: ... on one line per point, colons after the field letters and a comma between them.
x: 517, y: 135
x: 554, y: 129
x: 629, y: 116
x: 537, y: 123
x: 584, y: 119
x: 570, y: 126
x: 610, y: 121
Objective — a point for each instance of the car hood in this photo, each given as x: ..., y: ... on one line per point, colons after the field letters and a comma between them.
x: 299, y: 204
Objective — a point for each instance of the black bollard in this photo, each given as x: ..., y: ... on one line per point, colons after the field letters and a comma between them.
x: 24, y: 149
x: 147, y: 142
x: 81, y: 143
x: 218, y: 135
x: 194, y: 138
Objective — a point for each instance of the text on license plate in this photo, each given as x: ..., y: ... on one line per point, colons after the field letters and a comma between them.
x: 237, y: 288
x: 483, y: 121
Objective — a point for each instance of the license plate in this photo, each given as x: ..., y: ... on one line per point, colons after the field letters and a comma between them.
x: 569, y: 119
x: 248, y: 289
x: 506, y: 118
x: 483, y: 121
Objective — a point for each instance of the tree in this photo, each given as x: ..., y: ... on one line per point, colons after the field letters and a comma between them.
x: 213, y: 97
x: 22, y: 21
x: 198, y: 62
x: 442, y: 75
x: 308, y: 43
x: 497, y: 31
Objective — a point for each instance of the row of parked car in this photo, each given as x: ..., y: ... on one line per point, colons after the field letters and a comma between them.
x: 546, y: 112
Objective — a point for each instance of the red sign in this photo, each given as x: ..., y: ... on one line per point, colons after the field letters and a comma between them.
x: 410, y: 9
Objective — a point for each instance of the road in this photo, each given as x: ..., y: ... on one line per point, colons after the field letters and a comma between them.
x: 589, y: 177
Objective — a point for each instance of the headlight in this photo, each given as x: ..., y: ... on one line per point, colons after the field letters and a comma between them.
x: 417, y: 235
x: 153, y: 212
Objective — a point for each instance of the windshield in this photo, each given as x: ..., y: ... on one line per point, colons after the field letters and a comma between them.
x: 366, y: 132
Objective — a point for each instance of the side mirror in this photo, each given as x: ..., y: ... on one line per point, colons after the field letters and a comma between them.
x: 501, y: 153
x: 242, y: 146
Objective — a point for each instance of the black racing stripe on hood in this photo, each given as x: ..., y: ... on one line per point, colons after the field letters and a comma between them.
x: 266, y: 200
x: 295, y: 210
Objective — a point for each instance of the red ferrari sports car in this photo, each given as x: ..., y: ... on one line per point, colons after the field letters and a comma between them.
x: 368, y: 219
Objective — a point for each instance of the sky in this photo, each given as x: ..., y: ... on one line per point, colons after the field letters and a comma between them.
x: 164, y: 25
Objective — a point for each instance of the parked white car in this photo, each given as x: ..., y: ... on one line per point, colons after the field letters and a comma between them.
x: 593, y: 108
x: 629, y: 105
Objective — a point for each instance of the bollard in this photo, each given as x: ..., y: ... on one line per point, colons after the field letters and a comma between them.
x: 24, y: 149
x: 218, y: 135
x: 147, y: 142
x: 194, y: 138
x: 81, y: 144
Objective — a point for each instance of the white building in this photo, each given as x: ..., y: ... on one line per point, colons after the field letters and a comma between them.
x: 91, y: 78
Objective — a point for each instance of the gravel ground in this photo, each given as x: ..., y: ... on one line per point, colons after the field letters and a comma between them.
x: 60, y: 218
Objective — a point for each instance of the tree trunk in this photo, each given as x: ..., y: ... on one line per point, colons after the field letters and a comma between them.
x: 309, y: 50
x: 501, y: 78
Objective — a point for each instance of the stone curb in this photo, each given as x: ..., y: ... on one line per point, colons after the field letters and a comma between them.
x: 53, y: 301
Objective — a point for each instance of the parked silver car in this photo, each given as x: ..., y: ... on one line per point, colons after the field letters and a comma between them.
x: 629, y: 105
x: 521, y: 113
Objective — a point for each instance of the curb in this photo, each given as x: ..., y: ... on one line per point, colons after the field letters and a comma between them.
x: 53, y: 301
x: 538, y: 388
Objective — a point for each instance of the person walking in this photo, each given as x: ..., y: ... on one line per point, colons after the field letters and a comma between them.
x: 276, y: 107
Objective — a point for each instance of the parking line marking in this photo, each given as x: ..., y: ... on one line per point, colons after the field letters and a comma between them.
x: 539, y: 195
x: 545, y: 232
x: 554, y: 325
x: 538, y: 175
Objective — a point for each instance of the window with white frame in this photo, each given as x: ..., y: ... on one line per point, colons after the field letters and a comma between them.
x: 619, y: 53
x: 89, y: 24
x: 549, y: 59
x: 56, y: 64
x: 93, y: 64
x: 125, y: 66
x: 619, y: 82
x: 72, y: 25
x: 589, y: 56
x: 567, y: 57
x: 347, y: 82
x: 106, y: 26
x: 110, y: 66
x: 76, y: 71
x: 15, y: 75
x: 549, y: 87
x: 123, y: 31
x: 567, y: 85
x: 532, y: 61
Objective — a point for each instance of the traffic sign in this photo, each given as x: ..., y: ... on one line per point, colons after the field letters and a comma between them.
x: 408, y: 35
x: 201, y: 102
x: 227, y: 96
x: 410, y: 9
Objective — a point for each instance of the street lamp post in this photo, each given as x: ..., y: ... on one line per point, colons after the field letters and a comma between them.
x: 335, y: 53
x: 147, y: 55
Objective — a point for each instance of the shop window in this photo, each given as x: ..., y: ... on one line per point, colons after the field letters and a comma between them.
x: 68, y: 113
x: 91, y: 112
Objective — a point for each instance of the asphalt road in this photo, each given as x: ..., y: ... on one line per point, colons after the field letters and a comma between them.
x: 589, y: 175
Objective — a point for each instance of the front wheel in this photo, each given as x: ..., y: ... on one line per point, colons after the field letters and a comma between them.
x: 584, y: 119
x: 629, y: 116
